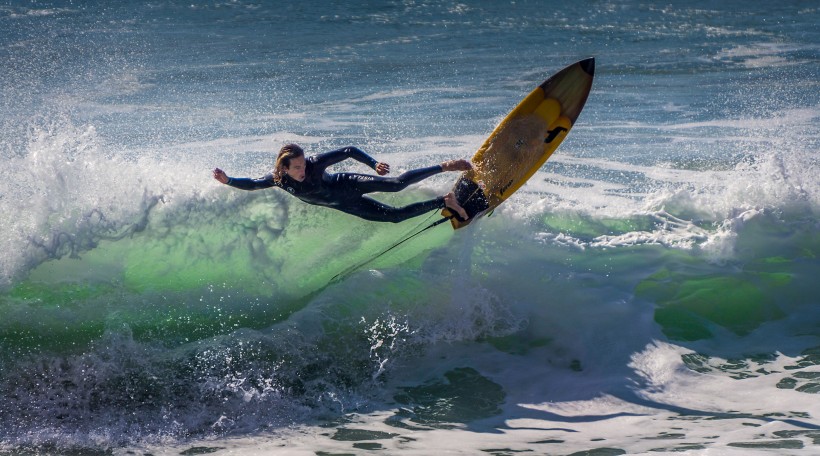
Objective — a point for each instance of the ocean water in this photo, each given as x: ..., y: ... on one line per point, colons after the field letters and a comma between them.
x: 653, y: 289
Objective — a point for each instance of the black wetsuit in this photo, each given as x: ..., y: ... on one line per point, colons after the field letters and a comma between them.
x: 345, y: 191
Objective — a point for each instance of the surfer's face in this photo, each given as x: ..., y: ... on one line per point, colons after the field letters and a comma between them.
x: 296, y: 170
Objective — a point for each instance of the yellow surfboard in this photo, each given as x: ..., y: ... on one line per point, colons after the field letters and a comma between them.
x: 523, y: 141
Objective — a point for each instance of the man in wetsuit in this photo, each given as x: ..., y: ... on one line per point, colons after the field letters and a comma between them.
x: 307, y: 179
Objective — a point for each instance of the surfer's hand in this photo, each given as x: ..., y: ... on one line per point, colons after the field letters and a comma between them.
x: 451, y: 202
x: 382, y: 168
x: 456, y: 165
x: 220, y: 175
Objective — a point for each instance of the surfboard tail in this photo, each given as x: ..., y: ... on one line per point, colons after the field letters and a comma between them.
x: 471, y: 197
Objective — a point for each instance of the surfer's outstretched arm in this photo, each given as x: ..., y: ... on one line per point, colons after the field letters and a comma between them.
x: 244, y: 183
x: 326, y: 159
x: 367, y: 184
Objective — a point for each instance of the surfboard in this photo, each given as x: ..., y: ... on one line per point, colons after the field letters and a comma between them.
x: 522, y: 142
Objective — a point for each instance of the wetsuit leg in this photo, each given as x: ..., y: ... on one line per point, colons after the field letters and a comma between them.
x: 370, y: 209
x: 364, y: 183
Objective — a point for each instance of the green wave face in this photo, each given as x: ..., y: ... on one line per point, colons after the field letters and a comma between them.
x: 196, y: 273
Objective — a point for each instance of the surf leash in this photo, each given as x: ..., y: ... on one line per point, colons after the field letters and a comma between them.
x: 398, y: 243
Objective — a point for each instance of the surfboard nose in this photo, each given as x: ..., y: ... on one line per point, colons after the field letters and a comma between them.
x: 588, y: 65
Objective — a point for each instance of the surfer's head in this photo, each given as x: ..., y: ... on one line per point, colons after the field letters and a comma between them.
x: 291, y: 161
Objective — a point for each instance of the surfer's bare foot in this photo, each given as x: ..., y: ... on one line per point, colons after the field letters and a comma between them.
x: 452, y: 203
x: 456, y: 165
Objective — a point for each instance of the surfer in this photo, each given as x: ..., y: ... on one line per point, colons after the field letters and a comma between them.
x: 306, y: 179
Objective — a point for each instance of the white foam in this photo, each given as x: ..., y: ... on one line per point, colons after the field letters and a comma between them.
x: 762, y: 54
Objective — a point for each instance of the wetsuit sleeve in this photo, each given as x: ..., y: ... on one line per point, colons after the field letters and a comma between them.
x: 326, y: 159
x: 245, y: 183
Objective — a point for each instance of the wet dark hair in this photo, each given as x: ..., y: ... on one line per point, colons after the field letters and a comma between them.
x: 286, y: 154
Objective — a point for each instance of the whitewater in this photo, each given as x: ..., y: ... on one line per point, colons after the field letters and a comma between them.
x: 651, y: 290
